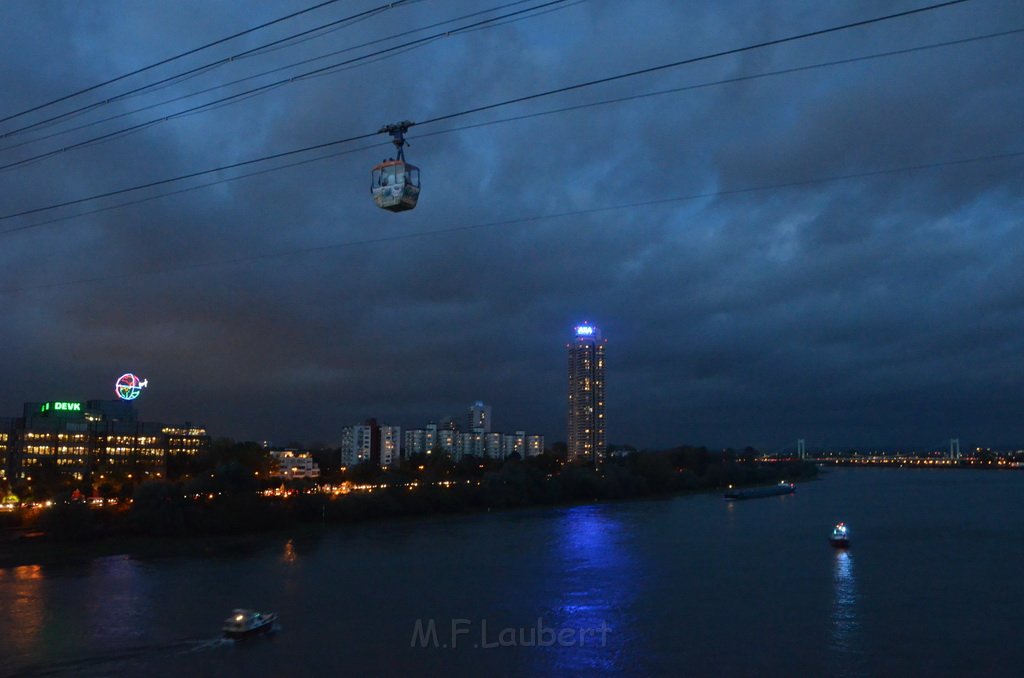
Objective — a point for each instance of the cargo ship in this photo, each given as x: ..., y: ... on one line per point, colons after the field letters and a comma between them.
x: 758, y: 492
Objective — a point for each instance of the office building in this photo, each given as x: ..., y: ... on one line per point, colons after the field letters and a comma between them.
x: 6, y: 440
x: 91, y: 441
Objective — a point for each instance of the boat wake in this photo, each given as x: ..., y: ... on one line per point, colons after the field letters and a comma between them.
x: 207, y: 645
x: 114, y: 661
x: 214, y: 643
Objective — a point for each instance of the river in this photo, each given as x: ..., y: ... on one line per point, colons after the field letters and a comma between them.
x: 691, y: 585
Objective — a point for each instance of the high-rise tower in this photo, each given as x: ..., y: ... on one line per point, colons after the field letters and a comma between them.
x: 586, y: 395
x: 479, y: 417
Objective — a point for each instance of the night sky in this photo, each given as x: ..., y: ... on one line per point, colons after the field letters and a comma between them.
x: 885, y: 310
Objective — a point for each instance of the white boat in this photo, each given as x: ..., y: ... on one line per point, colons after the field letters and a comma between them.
x: 245, y: 623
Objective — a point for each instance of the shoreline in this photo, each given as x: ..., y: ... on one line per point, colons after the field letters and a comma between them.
x: 45, y: 552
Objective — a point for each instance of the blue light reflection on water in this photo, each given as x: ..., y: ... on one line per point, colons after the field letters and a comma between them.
x: 845, y: 625
x: 599, y: 578
x: 117, y: 603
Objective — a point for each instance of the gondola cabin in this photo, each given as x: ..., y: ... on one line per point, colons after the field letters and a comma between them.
x: 395, y: 185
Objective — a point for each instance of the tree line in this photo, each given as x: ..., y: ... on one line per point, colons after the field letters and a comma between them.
x: 220, y: 493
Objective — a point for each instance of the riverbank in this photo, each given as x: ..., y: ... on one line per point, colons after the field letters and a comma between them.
x: 309, y: 517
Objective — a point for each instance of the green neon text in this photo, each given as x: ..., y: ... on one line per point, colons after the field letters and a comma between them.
x: 58, y: 406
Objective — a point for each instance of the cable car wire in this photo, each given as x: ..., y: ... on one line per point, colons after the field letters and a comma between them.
x: 492, y: 106
x: 527, y: 116
x: 278, y: 69
x: 191, y: 73
x: 269, y: 86
x: 198, y: 70
x: 692, y: 60
x: 509, y: 222
x: 168, y: 60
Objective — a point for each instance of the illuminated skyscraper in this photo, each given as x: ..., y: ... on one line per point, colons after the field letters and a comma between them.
x: 586, y: 395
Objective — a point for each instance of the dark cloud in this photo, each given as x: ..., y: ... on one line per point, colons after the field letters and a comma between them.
x: 883, y: 310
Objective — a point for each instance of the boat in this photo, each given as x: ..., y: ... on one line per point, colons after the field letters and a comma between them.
x: 245, y: 623
x: 840, y: 536
x: 758, y: 492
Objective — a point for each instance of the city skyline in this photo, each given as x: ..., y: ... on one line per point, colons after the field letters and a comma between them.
x: 792, y: 277
x: 541, y: 337
x: 937, y: 441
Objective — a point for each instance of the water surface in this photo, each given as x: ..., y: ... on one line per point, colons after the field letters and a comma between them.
x: 685, y: 586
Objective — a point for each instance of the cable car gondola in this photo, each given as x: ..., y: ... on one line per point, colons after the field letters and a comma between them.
x: 395, y: 184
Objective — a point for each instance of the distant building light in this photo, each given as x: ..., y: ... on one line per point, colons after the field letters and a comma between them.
x: 584, y: 331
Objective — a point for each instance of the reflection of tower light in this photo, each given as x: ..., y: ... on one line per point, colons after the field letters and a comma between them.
x: 597, y: 581
x: 844, y: 605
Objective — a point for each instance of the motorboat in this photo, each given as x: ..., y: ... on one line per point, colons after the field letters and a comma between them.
x: 245, y: 623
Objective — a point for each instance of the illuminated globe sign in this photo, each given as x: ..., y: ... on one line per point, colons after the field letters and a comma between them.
x: 129, y: 387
